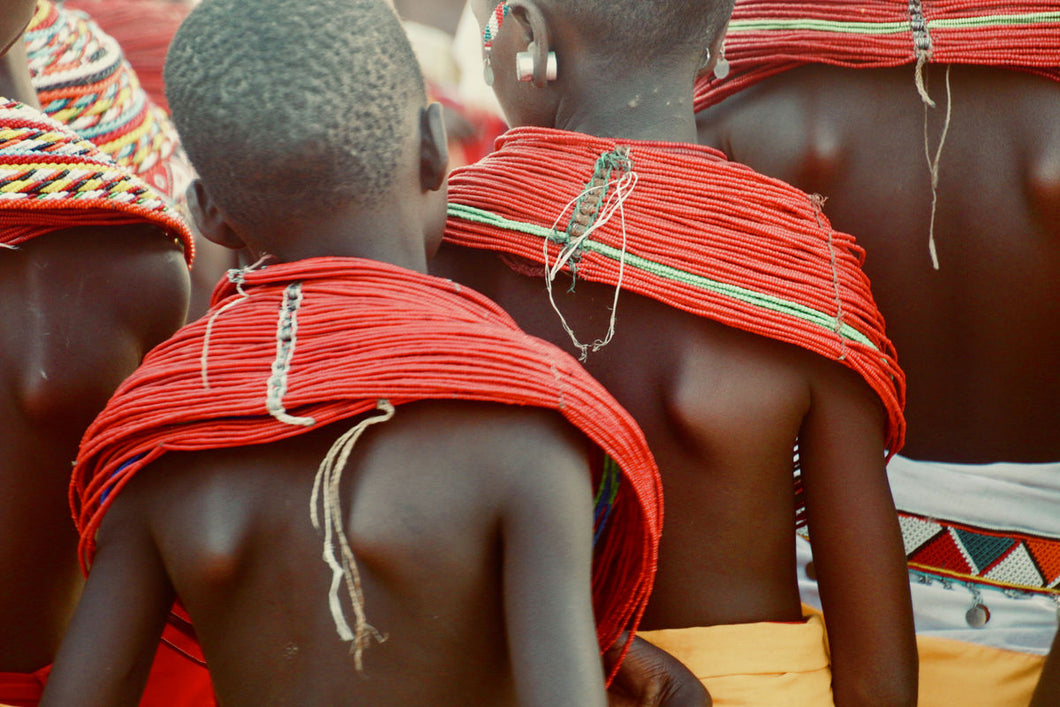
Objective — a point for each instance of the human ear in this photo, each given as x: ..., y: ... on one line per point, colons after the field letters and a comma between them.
x: 209, y: 219
x: 434, y: 148
x: 541, y: 59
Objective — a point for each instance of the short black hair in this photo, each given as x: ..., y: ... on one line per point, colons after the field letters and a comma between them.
x: 648, y: 28
x: 290, y: 107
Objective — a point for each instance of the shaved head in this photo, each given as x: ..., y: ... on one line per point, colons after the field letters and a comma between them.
x: 646, y: 28
x: 292, y: 107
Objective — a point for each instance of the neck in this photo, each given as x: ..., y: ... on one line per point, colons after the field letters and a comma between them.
x: 15, y: 81
x: 639, y: 107
x: 370, y: 236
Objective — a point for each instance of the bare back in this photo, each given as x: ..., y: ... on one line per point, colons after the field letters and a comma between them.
x: 978, y: 339
x: 435, y: 501
x: 82, y: 306
x: 721, y: 410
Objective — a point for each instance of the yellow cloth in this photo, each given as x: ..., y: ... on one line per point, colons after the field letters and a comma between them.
x: 962, y: 673
x: 755, y: 665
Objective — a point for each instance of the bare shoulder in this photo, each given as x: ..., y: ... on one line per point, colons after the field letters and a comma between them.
x: 841, y: 393
x: 136, y: 271
x: 433, y: 462
x: 731, y: 387
x: 97, y: 298
x: 431, y: 449
x: 491, y: 443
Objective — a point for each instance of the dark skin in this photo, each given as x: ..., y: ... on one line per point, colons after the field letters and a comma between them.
x: 650, y: 677
x: 720, y: 408
x: 977, y: 338
x: 211, y: 261
x: 435, y: 550
x: 471, y: 524
x: 91, y: 302
x: 1048, y: 690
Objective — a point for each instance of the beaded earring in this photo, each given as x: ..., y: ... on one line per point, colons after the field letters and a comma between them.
x: 493, y: 27
x: 525, y: 62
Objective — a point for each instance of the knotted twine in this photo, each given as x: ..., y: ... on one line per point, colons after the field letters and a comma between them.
x: 366, y: 332
x: 699, y: 233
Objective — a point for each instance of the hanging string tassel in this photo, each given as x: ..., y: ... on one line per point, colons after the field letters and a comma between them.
x: 325, y: 511
x: 236, y: 276
x: 933, y: 166
x: 766, y: 38
x: 593, y: 209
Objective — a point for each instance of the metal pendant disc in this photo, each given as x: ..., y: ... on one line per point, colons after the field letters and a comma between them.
x: 978, y: 616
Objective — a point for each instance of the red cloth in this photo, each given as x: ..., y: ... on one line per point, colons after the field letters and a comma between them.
x: 179, y: 677
x: 768, y: 37
x: 175, y: 681
x: 23, y: 689
x: 365, y: 331
x: 696, y: 232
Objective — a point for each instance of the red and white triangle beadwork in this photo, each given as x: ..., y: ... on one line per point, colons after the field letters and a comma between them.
x: 994, y: 556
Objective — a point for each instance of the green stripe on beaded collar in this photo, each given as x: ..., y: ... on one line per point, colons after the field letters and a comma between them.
x: 758, y: 299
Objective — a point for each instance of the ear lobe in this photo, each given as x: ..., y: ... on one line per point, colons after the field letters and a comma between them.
x: 208, y: 218
x: 434, y: 148
x: 532, y: 19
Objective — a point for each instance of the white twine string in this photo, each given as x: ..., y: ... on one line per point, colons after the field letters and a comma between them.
x: 235, y: 276
x: 286, y: 339
x: 325, y: 511
x: 618, y: 191
x: 933, y: 165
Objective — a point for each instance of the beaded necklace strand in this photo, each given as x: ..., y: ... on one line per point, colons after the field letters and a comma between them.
x: 51, y: 178
x: 701, y: 234
x: 368, y: 332
x: 84, y: 81
x: 767, y: 37
x: 143, y: 29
